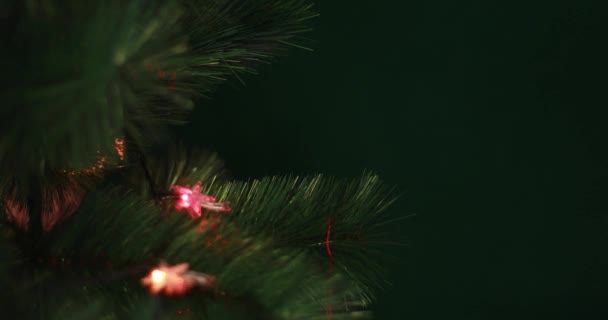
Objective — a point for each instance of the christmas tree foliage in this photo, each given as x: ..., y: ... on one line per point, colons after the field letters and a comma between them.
x: 97, y: 224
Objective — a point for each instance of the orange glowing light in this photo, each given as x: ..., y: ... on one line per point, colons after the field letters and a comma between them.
x: 170, y: 280
x: 119, y: 145
x: 159, y: 277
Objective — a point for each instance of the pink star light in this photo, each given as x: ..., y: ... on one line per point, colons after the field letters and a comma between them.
x: 193, y: 200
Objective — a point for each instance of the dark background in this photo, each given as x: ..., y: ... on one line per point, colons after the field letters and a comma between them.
x: 489, y: 117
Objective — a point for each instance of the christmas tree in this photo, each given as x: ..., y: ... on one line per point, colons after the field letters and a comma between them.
x: 104, y: 218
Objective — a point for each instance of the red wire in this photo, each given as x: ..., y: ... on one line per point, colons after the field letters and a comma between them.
x: 328, y: 239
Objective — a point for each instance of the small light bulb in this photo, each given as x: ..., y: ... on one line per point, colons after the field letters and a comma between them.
x: 185, y: 197
x: 158, y: 276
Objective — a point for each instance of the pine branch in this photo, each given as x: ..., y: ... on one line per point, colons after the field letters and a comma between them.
x: 127, y: 70
x: 56, y: 112
x: 295, y: 211
x: 105, y: 69
x: 229, y: 37
x: 251, y: 272
x: 176, y: 165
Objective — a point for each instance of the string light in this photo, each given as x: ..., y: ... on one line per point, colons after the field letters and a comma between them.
x: 193, y: 200
x: 176, y: 280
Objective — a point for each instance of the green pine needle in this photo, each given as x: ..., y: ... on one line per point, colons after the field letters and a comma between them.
x: 84, y: 73
x: 96, y: 70
x: 295, y: 212
x: 116, y: 238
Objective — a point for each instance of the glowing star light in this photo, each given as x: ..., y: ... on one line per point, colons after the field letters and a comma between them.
x: 193, y: 200
x: 176, y: 280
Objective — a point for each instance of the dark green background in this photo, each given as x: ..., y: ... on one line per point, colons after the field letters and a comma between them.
x: 489, y: 117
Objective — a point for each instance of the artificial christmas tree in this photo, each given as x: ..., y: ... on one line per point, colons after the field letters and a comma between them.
x: 98, y: 224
